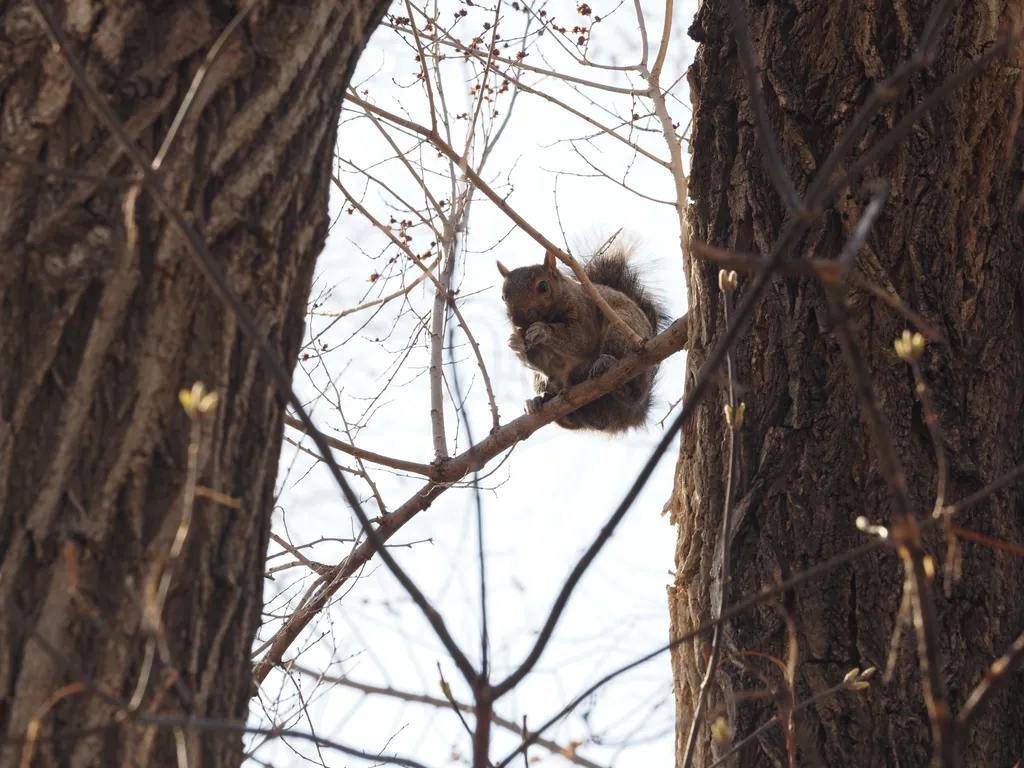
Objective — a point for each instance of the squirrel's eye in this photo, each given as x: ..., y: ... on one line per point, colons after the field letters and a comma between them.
x: 542, y: 287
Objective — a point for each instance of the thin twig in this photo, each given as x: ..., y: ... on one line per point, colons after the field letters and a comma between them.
x: 484, y: 703
x: 375, y: 302
x: 666, y: 36
x: 387, y: 461
x: 826, y: 270
x: 808, y: 702
x: 931, y: 419
x: 190, y: 100
x: 988, y: 541
x: 641, y: 24
x: 436, y: 369
x: 1012, y: 477
x: 477, y: 353
x: 734, y: 421
x: 992, y: 682
x: 158, y: 583
x: 453, y: 42
x: 447, y: 691
x: 439, y: 703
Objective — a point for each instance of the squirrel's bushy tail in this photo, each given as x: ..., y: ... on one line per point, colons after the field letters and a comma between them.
x: 614, y: 270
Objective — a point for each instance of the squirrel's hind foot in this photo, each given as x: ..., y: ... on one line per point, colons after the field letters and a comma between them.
x: 534, y: 404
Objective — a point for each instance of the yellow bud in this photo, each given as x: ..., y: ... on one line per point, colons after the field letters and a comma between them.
x: 197, y: 400
x: 867, y: 526
x: 721, y: 731
x: 209, y: 402
x: 929, y: 567
x: 727, y: 280
x: 917, y: 342
x: 909, y: 346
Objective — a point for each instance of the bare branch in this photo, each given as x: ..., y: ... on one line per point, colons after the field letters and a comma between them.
x: 1012, y: 477
x: 457, y: 467
x: 386, y: 461
x: 439, y: 703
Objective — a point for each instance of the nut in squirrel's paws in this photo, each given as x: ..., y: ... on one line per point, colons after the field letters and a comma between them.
x: 538, y: 333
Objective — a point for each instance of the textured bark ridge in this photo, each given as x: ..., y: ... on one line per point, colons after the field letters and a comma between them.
x: 104, y: 320
x: 950, y: 244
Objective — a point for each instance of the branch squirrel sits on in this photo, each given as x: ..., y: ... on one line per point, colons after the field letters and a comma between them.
x: 560, y: 333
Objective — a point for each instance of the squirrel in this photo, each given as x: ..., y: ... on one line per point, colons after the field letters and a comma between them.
x: 560, y: 333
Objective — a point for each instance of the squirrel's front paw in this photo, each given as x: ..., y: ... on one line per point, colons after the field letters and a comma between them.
x: 602, y: 364
x: 538, y: 333
x: 516, y: 343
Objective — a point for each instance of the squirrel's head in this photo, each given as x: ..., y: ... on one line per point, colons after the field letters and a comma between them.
x: 531, y: 293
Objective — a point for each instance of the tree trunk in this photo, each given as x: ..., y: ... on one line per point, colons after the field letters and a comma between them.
x: 949, y: 243
x: 105, y: 320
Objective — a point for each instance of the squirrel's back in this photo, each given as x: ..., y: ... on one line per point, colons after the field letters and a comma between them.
x: 614, y: 270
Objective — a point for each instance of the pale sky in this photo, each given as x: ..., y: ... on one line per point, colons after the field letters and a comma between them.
x: 543, y: 503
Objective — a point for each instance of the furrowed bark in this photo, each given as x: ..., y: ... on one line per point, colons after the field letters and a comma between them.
x: 948, y: 242
x: 104, y: 320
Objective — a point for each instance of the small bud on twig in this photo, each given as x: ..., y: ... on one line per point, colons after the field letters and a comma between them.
x: 727, y: 280
x: 197, y: 400
x: 721, y: 731
x: 910, y: 346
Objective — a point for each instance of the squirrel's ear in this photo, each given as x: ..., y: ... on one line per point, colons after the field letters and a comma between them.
x: 550, y: 262
x: 502, y: 268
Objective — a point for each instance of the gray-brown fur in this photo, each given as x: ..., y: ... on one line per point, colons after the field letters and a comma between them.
x: 561, y: 335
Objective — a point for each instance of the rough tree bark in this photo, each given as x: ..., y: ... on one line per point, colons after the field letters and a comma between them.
x: 97, y: 337
x: 949, y: 243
